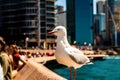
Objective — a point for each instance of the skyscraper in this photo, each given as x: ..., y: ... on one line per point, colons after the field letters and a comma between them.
x: 101, y: 7
x: 100, y: 27
x: 109, y: 23
x: 32, y: 19
x: 116, y: 26
x: 80, y: 21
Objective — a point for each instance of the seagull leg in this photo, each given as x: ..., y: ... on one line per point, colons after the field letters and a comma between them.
x: 74, y: 74
x: 70, y: 69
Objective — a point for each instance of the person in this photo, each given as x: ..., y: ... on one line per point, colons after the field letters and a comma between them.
x: 5, y: 61
x: 17, y: 58
x: 1, y: 73
x: 9, y: 52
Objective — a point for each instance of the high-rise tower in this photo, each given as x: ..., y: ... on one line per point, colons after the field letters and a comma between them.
x: 80, y: 21
x: 31, y: 19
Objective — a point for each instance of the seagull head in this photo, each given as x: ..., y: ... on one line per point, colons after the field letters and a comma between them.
x: 59, y: 31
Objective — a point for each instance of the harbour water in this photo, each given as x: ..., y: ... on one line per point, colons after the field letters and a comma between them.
x: 106, y: 69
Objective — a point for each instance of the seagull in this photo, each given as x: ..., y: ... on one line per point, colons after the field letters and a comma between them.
x: 66, y: 54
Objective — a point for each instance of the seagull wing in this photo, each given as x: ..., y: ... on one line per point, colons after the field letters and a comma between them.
x: 77, y: 56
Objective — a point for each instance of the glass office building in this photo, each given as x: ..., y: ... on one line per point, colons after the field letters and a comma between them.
x: 100, y: 26
x: 109, y: 20
x: 80, y: 21
x: 31, y: 19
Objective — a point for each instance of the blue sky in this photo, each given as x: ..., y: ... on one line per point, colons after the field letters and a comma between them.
x: 63, y: 3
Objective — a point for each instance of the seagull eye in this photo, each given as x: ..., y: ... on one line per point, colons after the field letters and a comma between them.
x: 58, y: 29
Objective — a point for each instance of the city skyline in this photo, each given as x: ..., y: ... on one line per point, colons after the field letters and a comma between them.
x: 63, y: 3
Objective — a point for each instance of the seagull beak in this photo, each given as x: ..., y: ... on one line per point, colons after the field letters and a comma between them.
x: 51, y: 32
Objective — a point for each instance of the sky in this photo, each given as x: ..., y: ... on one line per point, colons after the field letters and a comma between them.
x: 63, y: 3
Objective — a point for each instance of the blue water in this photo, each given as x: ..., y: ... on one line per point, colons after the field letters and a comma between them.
x: 107, y: 69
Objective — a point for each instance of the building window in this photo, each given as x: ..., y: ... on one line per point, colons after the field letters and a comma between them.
x: 43, y: 36
x: 43, y: 30
x: 42, y: 23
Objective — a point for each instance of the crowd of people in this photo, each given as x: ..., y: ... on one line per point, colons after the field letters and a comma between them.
x: 9, y: 60
x: 12, y: 59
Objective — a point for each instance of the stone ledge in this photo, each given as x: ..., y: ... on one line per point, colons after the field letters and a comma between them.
x: 35, y: 71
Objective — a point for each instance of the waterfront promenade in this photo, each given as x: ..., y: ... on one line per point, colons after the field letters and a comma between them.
x: 35, y: 69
